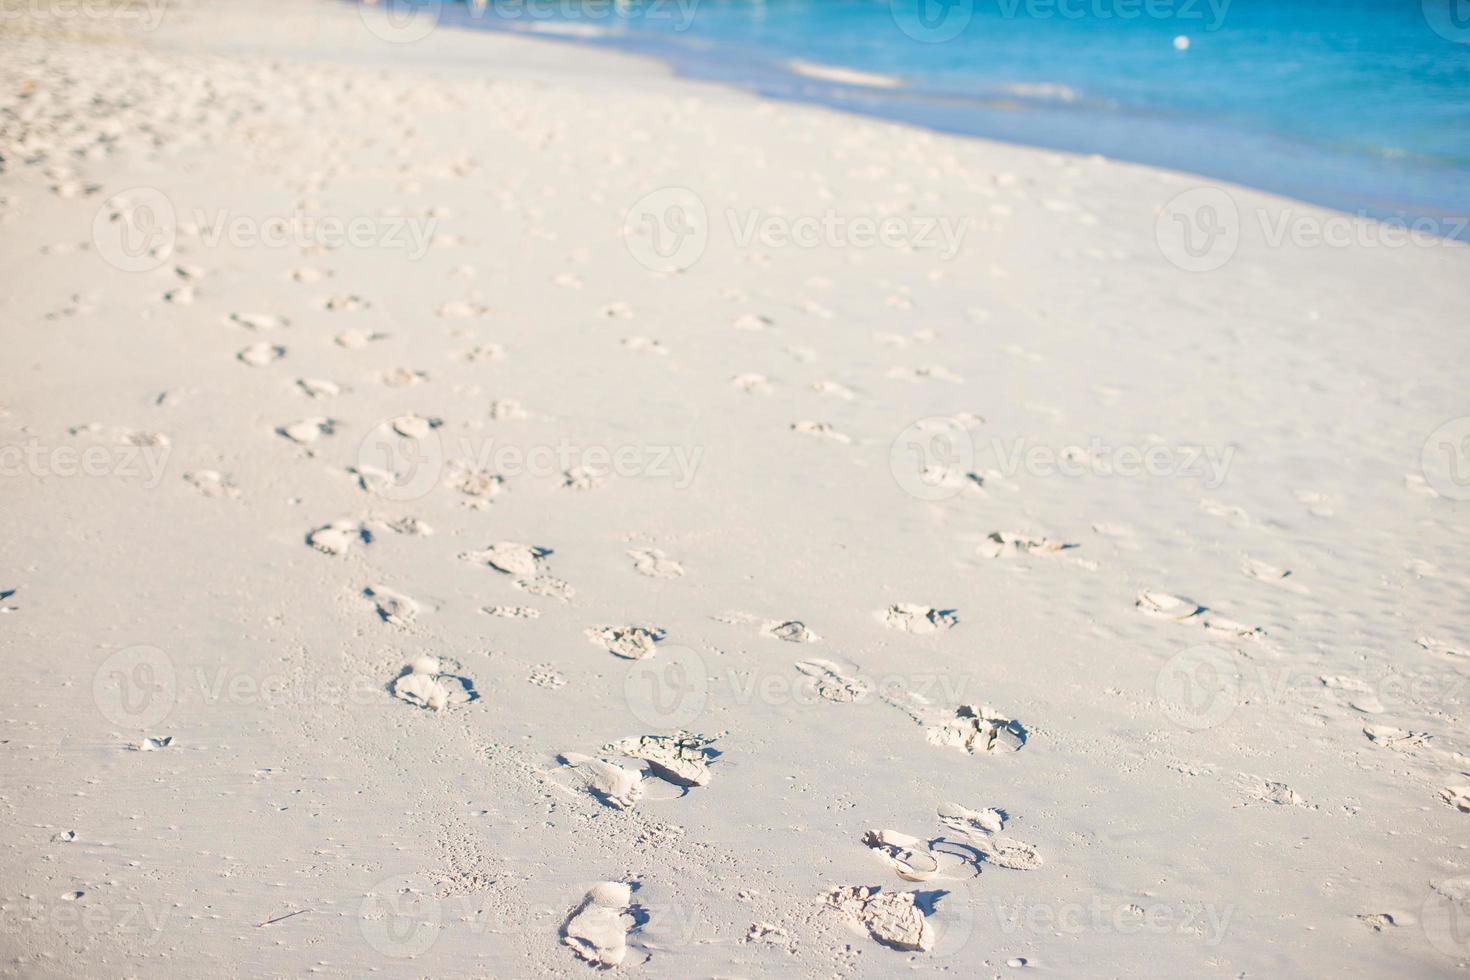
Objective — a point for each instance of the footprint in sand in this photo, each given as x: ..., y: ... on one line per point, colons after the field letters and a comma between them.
x: 944, y: 858
x: 509, y: 558
x: 547, y: 676
x: 1317, y: 503
x: 789, y: 630
x: 546, y: 585
x: 583, y: 478
x: 752, y: 383
x: 752, y: 322
x: 1219, y: 624
x: 345, y: 304
x: 911, y: 617
x: 979, y: 730
x: 512, y: 612
x: 402, y: 377
x: 891, y: 918
x: 259, y: 321
x: 415, y: 426
x: 1165, y: 605
x: 1457, y: 797
x: 480, y: 486
x: 507, y: 409
x: 1008, y: 544
x: 820, y: 430
x: 940, y: 479
x: 357, y: 339
x: 645, y: 345
x: 907, y: 856
x: 766, y: 932
x: 462, y: 310
x: 1440, y: 647
x: 393, y: 607
x: 212, y: 483
x: 427, y: 683
x: 597, y: 929
x: 833, y: 389
x: 613, y: 785
x: 1236, y: 516
x: 1269, y: 791
x: 831, y: 683
x: 484, y: 354
x: 981, y: 829
x: 318, y: 388
x: 152, y: 743
x: 1355, y: 693
x: 259, y: 355
x: 1270, y: 574
x: 1398, y: 739
x: 933, y: 372
x: 141, y: 438
x: 628, y: 642
x: 308, y: 431
x: 339, y: 536
x: 681, y: 759
x: 74, y: 188
x: 1377, y: 921
x: 901, y: 341
x: 411, y: 526
x: 655, y: 564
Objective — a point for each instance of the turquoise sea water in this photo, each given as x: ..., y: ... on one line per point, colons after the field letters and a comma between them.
x: 1362, y: 105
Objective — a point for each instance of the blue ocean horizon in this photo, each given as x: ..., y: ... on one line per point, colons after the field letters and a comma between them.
x: 1358, y: 105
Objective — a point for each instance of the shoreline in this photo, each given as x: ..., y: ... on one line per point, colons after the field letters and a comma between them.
x: 1267, y: 163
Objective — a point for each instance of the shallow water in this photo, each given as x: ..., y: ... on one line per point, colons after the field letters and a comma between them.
x: 1361, y: 105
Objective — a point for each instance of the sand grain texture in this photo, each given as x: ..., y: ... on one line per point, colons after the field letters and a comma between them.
x: 259, y: 719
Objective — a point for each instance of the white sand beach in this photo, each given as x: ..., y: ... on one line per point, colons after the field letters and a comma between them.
x: 478, y: 505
